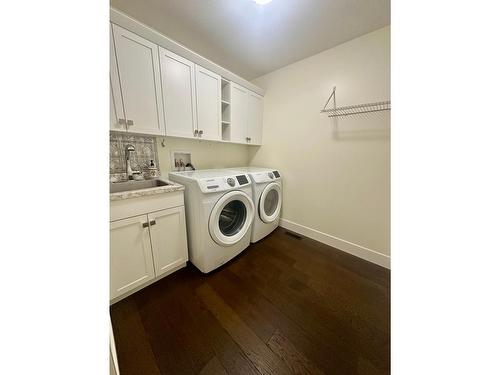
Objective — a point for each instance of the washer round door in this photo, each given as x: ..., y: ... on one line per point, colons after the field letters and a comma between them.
x: 231, y: 218
x: 270, y: 203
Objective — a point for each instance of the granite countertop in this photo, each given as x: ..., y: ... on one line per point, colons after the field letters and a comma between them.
x: 171, y: 187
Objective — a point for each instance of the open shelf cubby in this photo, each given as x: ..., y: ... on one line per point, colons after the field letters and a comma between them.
x: 226, y: 131
x: 226, y: 113
x: 225, y: 90
x: 226, y: 109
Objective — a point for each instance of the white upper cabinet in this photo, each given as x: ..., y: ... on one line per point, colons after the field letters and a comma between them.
x: 246, y: 116
x: 155, y: 91
x: 179, y: 96
x: 255, y: 110
x: 139, y: 76
x: 208, y: 104
x: 113, y: 117
x: 117, y: 117
x: 238, y: 109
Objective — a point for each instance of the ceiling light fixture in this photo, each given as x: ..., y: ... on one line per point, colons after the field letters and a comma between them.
x: 262, y: 2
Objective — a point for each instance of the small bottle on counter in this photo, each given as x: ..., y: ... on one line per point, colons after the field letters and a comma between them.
x: 153, y: 170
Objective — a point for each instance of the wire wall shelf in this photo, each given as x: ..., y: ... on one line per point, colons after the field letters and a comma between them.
x: 353, y: 109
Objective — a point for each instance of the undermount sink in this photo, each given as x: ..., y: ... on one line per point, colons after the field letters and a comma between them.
x: 119, y: 187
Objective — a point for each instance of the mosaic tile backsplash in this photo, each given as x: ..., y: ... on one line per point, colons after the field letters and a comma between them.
x: 145, y: 150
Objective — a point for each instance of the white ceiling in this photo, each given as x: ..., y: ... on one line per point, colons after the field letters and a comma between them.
x: 251, y: 39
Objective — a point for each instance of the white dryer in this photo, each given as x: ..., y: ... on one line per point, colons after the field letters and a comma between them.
x: 219, y: 215
x: 267, y: 198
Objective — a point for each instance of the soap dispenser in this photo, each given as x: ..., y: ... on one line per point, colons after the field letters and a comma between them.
x: 153, y: 170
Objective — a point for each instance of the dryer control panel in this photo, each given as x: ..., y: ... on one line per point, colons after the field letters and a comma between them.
x: 265, y: 177
x: 216, y: 184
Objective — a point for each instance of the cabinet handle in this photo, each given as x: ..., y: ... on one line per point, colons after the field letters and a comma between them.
x: 130, y: 122
x: 121, y: 121
x: 200, y: 132
x: 145, y: 225
x: 152, y: 222
x: 196, y: 132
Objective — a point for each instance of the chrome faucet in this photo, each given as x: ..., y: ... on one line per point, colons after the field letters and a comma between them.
x: 128, y: 149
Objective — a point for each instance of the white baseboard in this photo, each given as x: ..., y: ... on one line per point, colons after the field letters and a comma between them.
x: 338, y: 243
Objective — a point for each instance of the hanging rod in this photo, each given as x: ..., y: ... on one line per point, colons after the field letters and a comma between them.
x: 353, y: 109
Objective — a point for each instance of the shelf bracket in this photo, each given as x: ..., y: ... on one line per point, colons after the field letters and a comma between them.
x: 334, y: 99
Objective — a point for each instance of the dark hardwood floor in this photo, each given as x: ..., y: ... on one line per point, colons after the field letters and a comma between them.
x: 284, y: 306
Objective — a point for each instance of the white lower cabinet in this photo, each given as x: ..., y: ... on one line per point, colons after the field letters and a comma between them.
x: 168, y: 239
x: 131, y: 260
x: 147, y: 241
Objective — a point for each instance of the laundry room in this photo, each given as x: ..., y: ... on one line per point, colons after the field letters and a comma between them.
x: 214, y: 205
x: 225, y: 187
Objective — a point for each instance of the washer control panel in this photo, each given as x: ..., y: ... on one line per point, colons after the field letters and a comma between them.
x: 216, y: 184
x: 243, y: 179
x: 267, y: 176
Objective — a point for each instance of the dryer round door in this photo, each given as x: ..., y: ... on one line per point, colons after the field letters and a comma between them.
x: 231, y: 218
x: 270, y: 203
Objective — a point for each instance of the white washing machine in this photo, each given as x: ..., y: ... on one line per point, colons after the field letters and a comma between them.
x: 219, y: 214
x: 267, y: 198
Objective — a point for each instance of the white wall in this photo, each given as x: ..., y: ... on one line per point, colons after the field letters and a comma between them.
x: 204, y: 154
x: 336, y: 175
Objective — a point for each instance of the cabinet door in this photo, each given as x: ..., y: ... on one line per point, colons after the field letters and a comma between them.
x: 131, y: 260
x: 113, y: 118
x: 254, y: 118
x: 239, y: 119
x: 117, y: 117
x: 139, y: 73
x: 208, y: 91
x: 178, y: 86
x: 168, y: 239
